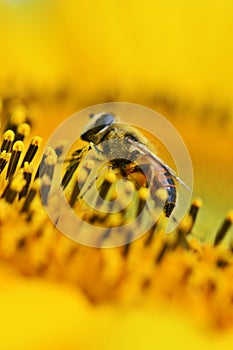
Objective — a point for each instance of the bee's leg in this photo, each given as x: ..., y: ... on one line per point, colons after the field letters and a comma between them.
x: 75, y: 155
x: 98, y: 153
x: 70, y: 172
x: 73, y: 165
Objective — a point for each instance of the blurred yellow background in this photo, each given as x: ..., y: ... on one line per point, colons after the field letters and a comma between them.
x: 183, y: 48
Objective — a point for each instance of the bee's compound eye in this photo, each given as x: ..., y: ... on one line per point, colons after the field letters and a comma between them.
x: 104, y: 119
x: 97, y: 128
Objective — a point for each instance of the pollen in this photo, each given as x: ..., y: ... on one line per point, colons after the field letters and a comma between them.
x: 161, y: 194
x: 9, y: 135
x: 110, y: 177
x: 18, y: 146
x: 143, y: 193
x: 230, y: 216
x: 18, y: 183
x: 36, y: 141
x: 7, y: 142
x: 23, y: 130
x: 18, y: 115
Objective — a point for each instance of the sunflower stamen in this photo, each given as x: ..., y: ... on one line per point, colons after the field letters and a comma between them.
x: 27, y: 173
x: 45, y: 189
x: 32, y: 149
x: 23, y: 130
x: 196, y: 205
x: 165, y: 247
x: 221, y: 233
x: 30, y: 196
x: 13, y: 188
x: 14, y: 160
x: 41, y: 168
x: 4, y: 158
x: 8, y: 140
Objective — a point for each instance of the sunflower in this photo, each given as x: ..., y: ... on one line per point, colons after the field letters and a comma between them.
x: 181, y: 271
x: 161, y: 290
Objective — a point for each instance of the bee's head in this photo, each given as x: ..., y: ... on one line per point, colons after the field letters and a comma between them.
x: 98, y: 127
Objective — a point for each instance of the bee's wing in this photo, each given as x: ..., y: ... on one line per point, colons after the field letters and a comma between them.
x: 155, y: 158
x: 184, y: 192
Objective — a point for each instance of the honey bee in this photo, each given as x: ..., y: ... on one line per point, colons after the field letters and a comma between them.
x: 129, y: 155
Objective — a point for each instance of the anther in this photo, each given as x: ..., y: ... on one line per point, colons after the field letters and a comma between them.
x: 8, y: 140
x: 81, y: 178
x: 224, y: 228
x: 4, y: 158
x: 15, y: 155
x: 181, y: 233
x: 41, y: 168
x: 162, y: 252
x: 75, y: 193
x: 59, y: 149
x: 126, y: 247
x: 110, y: 178
x: 13, y: 188
x: 27, y: 173
x: 30, y: 196
x: 73, y: 165
x: 143, y: 195
x: 50, y: 163
x: 196, y: 205
x: 32, y: 149
x: 18, y: 116
x: 151, y: 234
x: 105, y: 236
x: 69, y: 174
x: 45, y: 189
x: 23, y: 130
